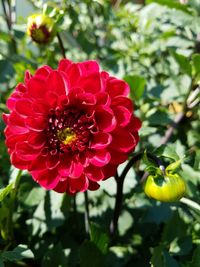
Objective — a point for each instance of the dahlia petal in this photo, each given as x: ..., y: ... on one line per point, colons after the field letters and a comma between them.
x: 103, y: 98
x: 23, y: 107
x: 64, y: 65
x: 117, y: 87
x: 91, y: 84
x: 94, y: 173
x: 86, y: 99
x: 117, y: 157
x: 38, y: 164
x: 18, y: 162
x: 5, y: 117
x: 99, y: 158
x: 26, y: 152
x: 47, y: 179
x: 134, y: 125
x: 88, y: 67
x: 123, y: 101
x: 76, y: 169
x: 64, y: 166
x: 109, y: 170
x: 16, y: 124
x: 61, y: 187
x: 28, y: 76
x: 93, y: 186
x: 105, y: 119
x: 78, y: 185
x: 40, y: 107
x: 13, y: 139
x: 73, y: 74
x: 57, y: 83
x: 21, y: 88
x: 52, y: 162
x: 43, y: 71
x: 125, y: 139
x: 101, y: 140
x: 36, y: 140
x: 12, y: 100
x: 37, y: 87
x: 36, y: 124
x: 123, y: 115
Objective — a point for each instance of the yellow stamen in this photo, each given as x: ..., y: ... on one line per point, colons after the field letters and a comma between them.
x: 66, y: 136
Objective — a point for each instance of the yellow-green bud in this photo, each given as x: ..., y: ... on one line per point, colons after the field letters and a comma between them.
x: 41, y: 28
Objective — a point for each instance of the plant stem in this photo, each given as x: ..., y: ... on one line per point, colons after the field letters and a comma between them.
x: 119, y: 194
x: 12, y: 205
x: 61, y: 45
x: 87, y: 214
x: 118, y: 206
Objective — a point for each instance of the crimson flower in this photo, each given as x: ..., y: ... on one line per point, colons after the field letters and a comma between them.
x: 70, y: 127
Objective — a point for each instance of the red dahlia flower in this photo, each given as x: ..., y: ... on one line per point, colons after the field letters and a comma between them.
x: 70, y: 127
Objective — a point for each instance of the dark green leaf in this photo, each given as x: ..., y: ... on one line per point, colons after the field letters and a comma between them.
x: 99, y: 238
x: 183, y: 62
x: 90, y: 255
x: 19, y: 253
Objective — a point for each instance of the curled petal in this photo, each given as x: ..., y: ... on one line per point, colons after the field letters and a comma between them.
x: 47, y: 179
x: 78, y: 185
x: 37, y: 124
x: 99, y: 158
x: 101, y: 140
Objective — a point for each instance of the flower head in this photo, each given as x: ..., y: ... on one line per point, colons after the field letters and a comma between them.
x: 41, y: 28
x: 70, y: 127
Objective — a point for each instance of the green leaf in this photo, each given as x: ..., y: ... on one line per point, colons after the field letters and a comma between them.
x: 157, y: 259
x: 167, y: 151
x: 5, y: 191
x: 169, y: 261
x: 172, y: 4
x: 1, y: 262
x: 196, y: 63
x: 19, y: 253
x: 90, y: 255
x: 173, y: 166
x: 183, y: 63
x: 196, y: 257
x: 137, y: 85
x: 99, y: 238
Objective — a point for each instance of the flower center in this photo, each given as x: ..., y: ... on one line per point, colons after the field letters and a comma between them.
x: 69, y: 130
x: 66, y: 136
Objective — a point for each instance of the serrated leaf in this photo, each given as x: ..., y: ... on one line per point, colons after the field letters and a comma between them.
x: 5, y: 191
x: 137, y: 85
x: 183, y: 63
x: 19, y: 253
x: 172, y: 4
x: 99, y: 237
x: 196, y: 63
x: 167, y: 151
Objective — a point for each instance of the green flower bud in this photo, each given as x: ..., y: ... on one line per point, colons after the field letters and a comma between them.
x: 168, y: 188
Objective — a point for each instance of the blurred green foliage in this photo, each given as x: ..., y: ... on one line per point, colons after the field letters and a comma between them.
x: 156, y: 49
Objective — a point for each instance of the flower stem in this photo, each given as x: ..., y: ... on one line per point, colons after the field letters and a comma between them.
x: 120, y: 182
x: 87, y: 214
x: 12, y: 205
x: 61, y: 45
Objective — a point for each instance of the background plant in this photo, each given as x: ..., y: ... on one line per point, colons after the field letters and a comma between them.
x: 155, y: 48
